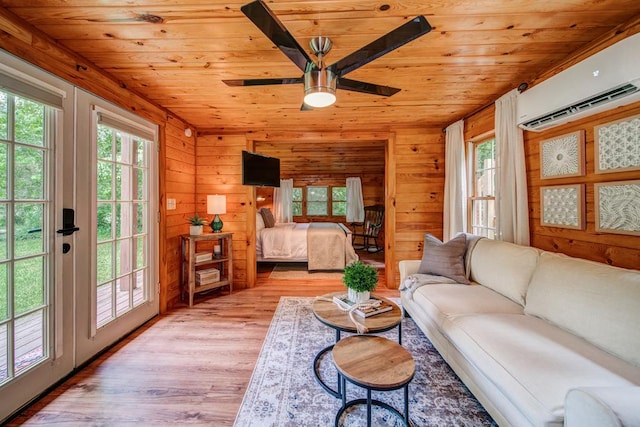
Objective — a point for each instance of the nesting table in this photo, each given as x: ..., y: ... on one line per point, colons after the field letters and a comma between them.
x: 330, y: 315
x: 373, y: 363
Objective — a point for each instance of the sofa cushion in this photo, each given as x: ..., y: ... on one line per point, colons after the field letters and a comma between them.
x: 504, y: 267
x: 595, y: 301
x: 535, y: 363
x: 444, y: 259
x: 444, y: 302
x: 602, y: 407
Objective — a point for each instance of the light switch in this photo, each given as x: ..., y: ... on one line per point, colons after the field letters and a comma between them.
x: 171, y: 204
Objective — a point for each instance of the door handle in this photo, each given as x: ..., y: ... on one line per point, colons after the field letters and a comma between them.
x: 68, y: 223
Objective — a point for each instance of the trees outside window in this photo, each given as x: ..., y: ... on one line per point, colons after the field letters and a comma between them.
x: 296, y: 201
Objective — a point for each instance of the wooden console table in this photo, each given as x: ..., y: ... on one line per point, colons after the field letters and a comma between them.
x: 223, y: 262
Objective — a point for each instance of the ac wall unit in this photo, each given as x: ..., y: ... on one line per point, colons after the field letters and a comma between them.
x: 603, y: 81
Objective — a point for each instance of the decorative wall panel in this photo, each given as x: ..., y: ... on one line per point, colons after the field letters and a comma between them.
x: 618, y: 207
x: 617, y: 145
x: 562, y: 206
x: 562, y: 156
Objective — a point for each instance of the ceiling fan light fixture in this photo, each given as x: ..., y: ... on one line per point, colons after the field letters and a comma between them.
x: 319, y: 88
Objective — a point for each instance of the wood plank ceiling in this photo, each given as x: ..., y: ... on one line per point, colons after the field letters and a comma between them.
x: 177, y: 52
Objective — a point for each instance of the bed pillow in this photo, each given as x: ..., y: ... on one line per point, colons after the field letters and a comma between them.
x: 444, y: 259
x: 267, y: 216
x: 259, y: 221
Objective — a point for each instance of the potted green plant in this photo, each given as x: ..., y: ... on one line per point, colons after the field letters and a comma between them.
x: 196, y: 225
x: 360, y: 280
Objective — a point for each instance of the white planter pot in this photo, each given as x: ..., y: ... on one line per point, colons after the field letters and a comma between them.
x: 195, y: 230
x: 358, y: 297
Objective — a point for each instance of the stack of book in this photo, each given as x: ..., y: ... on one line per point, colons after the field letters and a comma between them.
x: 369, y: 308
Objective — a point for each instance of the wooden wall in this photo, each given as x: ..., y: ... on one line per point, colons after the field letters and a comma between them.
x: 179, y: 171
x: 328, y: 163
x: 413, y: 189
x: 614, y: 249
x: 219, y: 171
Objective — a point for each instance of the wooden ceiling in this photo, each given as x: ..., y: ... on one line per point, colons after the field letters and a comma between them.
x: 177, y: 52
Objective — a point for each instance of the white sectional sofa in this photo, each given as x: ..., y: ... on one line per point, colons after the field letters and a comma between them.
x: 541, y: 339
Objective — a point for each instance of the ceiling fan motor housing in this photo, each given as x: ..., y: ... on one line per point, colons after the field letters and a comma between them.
x: 319, y: 87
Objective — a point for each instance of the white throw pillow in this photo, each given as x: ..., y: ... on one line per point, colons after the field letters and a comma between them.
x: 259, y: 221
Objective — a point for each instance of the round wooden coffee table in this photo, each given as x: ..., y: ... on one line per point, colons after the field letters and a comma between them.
x: 373, y: 363
x: 329, y: 314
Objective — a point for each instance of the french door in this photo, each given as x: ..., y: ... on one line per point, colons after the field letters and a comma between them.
x: 36, y: 277
x: 117, y: 203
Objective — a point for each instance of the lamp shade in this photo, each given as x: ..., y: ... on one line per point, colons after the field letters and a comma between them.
x: 320, y: 88
x: 216, y: 204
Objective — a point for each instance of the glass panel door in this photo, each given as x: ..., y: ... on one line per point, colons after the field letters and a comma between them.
x: 25, y: 255
x: 118, y: 194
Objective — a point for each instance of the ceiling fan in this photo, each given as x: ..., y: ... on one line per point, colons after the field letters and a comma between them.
x: 320, y: 81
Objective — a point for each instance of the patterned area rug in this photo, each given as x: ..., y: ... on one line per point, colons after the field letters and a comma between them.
x: 283, y: 390
x: 298, y: 270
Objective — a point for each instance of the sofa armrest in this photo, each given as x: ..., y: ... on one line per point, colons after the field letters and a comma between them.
x: 602, y: 407
x: 408, y: 267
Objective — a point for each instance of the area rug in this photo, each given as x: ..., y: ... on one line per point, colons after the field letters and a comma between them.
x: 283, y: 390
x: 298, y: 270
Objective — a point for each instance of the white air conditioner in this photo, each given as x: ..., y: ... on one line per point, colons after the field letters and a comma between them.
x: 603, y: 81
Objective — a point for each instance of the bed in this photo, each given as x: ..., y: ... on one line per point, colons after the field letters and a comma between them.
x: 323, y: 245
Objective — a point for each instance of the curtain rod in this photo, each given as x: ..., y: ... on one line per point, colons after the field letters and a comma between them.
x: 521, y: 88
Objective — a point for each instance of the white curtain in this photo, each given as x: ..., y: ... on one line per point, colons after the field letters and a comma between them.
x: 512, y: 205
x: 355, y: 203
x: 455, y: 182
x: 283, y: 201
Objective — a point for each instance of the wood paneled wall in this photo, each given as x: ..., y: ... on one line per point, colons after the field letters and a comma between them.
x: 614, y: 249
x: 419, y: 198
x: 414, y: 176
x: 179, y: 171
x: 219, y: 171
x: 328, y: 163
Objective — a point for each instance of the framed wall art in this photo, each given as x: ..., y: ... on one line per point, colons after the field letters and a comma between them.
x: 562, y: 206
x: 562, y: 156
x: 617, y: 145
x: 618, y: 207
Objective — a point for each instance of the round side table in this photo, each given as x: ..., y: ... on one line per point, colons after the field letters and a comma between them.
x: 330, y: 315
x: 373, y: 363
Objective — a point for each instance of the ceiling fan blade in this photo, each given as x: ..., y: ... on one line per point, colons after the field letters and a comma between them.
x: 363, y: 87
x: 402, y: 35
x: 263, y: 82
x: 305, y: 107
x: 270, y: 25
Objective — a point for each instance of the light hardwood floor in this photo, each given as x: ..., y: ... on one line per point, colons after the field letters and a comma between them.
x: 191, y: 366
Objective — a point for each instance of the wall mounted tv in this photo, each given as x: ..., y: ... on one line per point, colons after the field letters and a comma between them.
x: 260, y: 170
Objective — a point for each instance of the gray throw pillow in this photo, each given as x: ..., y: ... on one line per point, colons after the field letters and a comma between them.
x: 267, y: 216
x: 444, y: 259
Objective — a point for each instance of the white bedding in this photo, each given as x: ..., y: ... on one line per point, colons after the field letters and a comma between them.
x: 286, y: 241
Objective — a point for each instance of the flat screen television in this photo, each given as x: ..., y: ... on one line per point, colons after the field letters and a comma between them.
x: 260, y: 170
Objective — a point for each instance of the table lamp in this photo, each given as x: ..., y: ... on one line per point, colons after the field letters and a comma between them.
x: 216, y: 205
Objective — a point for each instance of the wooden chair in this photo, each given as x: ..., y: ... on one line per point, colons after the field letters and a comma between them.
x: 369, y: 230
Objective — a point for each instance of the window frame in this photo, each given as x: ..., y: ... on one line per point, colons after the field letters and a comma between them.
x: 489, y: 230
x: 329, y: 201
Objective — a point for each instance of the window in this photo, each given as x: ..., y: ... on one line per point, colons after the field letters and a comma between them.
x: 296, y: 201
x: 317, y: 200
x: 26, y: 193
x: 482, y: 215
x: 339, y: 201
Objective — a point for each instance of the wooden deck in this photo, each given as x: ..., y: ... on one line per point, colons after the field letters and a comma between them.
x: 29, y: 344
